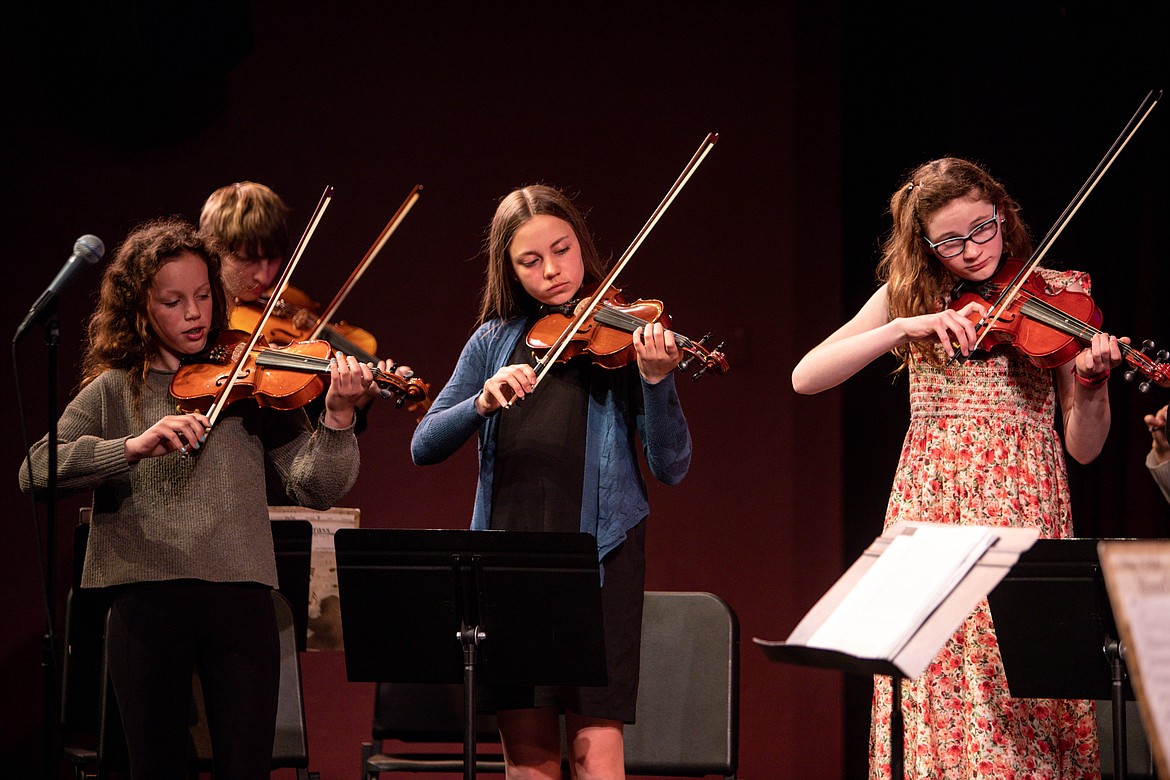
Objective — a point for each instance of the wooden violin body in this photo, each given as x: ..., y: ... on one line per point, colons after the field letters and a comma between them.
x: 198, y: 382
x: 294, y: 317
x: 1047, y: 328
x: 606, y: 335
x: 286, y: 377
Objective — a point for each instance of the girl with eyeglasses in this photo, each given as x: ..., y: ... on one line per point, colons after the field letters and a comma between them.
x: 981, y: 449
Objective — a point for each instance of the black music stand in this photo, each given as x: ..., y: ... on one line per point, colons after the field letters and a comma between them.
x: 492, y: 607
x: 292, y: 542
x: 1056, y: 631
x: 931, y: 634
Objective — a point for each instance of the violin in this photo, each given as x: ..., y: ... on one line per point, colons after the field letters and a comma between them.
x: 1051, y: 328
x: 559, y: 336
x: 606, y: 334
x: 307, y: 320
x: 294, y: 318
x: 1048, y: 328
x: 286, y: 377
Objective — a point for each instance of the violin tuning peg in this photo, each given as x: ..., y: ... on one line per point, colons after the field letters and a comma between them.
x: 1162, y: 356
x: 685, y: 366
x: 1130, y: 375
x: 1147, y: 345
x: 699, y: 374
x: 1144, y: 387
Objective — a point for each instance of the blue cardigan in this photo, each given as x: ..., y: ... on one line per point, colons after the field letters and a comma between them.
x: 613, y: 498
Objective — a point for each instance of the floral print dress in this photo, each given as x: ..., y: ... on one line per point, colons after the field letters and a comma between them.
x: 982, y: 450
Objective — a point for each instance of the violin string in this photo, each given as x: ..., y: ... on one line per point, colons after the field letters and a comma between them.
x: 557, y: 349
x: 1061, y: 320
x: 338, y: 341
x: 607, y: 315
x: 279, y: 359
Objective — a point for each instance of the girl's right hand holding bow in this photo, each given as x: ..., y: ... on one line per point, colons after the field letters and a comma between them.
x: 954, y: 329
x: 505, y: 386
x: 173, y: 433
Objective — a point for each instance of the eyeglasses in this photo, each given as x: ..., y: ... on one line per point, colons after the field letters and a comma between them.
x: 953, y: 247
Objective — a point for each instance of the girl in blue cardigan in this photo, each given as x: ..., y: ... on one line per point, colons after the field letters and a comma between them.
x: 562, y: 458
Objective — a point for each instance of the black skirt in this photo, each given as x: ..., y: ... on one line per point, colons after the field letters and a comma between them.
x: 536, y: 486
x: 621, y: 617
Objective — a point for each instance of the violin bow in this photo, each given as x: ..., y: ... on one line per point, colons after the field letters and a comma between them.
x: 1009, y: 293
x: 396, y: 220
x: 544, y: 364
x: 273, y: 300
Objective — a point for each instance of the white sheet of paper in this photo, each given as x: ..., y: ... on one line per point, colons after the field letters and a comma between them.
x: 1149, y: 628
x: 905, y: 584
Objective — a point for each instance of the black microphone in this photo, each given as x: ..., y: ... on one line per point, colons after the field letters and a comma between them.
x: 87, y: 250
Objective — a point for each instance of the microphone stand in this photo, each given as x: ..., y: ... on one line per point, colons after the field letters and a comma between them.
x: 52, y: 699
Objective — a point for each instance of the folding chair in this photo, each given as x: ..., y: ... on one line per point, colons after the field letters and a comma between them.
x: 688, y: 694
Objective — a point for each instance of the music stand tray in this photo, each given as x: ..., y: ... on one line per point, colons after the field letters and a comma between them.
x: 494, y: 607
x: 934, y: 631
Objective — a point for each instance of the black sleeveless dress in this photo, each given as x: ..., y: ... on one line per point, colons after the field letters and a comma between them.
x: 536, y: 486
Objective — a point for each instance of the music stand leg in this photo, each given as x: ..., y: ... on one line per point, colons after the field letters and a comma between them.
x: 469, y: 637
x: 897, y: 732
x: 1115, y: 651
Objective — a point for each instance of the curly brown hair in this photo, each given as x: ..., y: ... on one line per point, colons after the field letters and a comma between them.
x: 119, y: 332
x: 917, y: 283
x: 503, y: 297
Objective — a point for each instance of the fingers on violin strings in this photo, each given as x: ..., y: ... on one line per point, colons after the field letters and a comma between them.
x: 669, y: 342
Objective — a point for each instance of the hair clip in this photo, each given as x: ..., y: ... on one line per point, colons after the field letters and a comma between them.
x: 910, y: 187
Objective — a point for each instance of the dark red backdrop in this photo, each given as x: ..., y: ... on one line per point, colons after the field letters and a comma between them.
x: 769, y: 245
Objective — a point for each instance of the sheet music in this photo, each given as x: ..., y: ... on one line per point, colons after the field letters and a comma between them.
x: 1137, y: 574
x: 324, y: 628
x: 905, y: 584
x: 1150, y: 632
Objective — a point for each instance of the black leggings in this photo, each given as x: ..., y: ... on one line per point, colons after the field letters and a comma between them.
x: 158, y: 633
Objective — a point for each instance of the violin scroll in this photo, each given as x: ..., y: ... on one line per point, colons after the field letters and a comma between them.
x: 713, y: 360
x: 411, y: 392
x: 1154, y: 366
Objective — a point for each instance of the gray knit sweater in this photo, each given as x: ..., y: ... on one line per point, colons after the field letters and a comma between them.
x: 202, y: 517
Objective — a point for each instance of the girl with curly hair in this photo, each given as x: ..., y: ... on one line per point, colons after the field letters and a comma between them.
x: 179, y: 530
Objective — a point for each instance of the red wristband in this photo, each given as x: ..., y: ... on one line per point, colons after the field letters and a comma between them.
x: 1090, y: 382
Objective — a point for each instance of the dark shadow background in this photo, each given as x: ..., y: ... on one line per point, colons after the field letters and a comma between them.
x: 126, y: 111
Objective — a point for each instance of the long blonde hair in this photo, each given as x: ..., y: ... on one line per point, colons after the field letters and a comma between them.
x: 503, y: 297
x: 917, y: 282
